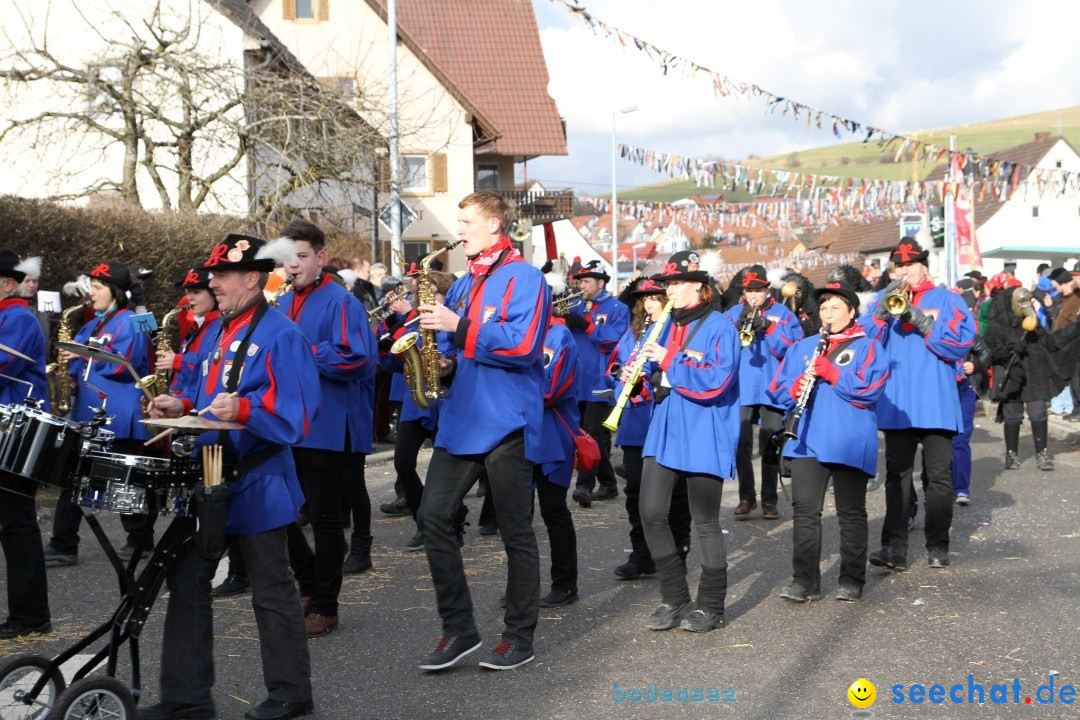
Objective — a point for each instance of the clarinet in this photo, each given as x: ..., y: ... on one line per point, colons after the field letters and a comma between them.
x: 791, y: 421
x: 612, y: 422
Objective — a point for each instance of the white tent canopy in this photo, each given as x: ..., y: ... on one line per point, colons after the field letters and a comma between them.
x: 569, y: 243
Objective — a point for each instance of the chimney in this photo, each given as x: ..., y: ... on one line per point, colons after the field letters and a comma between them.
x: 1042, y: 136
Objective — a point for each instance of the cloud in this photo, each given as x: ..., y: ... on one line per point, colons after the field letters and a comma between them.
x: 901, y: 66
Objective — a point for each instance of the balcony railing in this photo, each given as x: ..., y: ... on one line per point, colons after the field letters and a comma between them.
x: 541, y: 206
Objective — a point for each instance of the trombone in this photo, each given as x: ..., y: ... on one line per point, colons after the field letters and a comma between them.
x: 562, y: 304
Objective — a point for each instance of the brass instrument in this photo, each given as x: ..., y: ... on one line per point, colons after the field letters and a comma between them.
x: 791, y: 421
x: 897, y: 302
x: 1021, y: 306
x: 561, y: 305
x: 157, y: 383
x: 423, y: 366
x: 383, y: 311
x: 283, y: 288
x: 56, y: 373
x: 746, y: 330
x: 636, y: 365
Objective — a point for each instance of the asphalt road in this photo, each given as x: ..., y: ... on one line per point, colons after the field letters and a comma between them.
x: 1006, y: 610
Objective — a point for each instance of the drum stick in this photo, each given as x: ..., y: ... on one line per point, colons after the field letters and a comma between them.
x: 164, y: 433
x: 207, y: 408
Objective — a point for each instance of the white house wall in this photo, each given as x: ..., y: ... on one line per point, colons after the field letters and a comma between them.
x: 78, y: 33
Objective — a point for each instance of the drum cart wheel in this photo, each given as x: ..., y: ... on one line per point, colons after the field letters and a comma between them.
x: 94, y: 698
x: 19, y: 677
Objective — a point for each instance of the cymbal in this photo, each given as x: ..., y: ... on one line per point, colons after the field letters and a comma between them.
x: 193, y: 422
x: 93, y: 353
x: 16, y: 353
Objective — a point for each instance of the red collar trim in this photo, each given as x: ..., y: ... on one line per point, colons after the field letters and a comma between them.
x: 240, y: 320
x: 14, y: 302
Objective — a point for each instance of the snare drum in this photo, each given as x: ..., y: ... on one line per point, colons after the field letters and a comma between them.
x: 132, y: 484
x: 37, y: 445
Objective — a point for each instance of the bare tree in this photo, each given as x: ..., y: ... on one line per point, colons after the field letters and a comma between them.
x: 202, y: 124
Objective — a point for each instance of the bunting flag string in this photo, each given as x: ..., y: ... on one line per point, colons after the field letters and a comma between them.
x: 997, y: 177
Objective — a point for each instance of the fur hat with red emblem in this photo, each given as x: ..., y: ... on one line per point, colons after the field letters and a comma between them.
x: 196, y: 279
x: 647, y: 286
x: 17, y: 270
x: 244, y: 252
x: 112, y: 273
x: 683, y: 265
x: 907, y: 251
x: 755, y: 278
x: 592, y: 269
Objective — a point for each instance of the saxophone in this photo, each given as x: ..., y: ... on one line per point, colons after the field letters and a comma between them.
x: 158, y: 382
x: 56, y: 373
x: 422, y: 366
x: 283, y: 288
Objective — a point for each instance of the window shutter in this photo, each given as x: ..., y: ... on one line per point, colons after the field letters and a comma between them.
x: 438, y: 173
x: 324, y: 10
x: 289, y: 8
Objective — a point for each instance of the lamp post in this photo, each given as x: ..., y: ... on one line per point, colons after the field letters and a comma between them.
x: 635, y: 248
x: 615, y: 201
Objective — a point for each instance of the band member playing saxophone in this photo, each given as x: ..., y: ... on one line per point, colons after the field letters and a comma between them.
x: 833, y: 382
x: 496, y: 313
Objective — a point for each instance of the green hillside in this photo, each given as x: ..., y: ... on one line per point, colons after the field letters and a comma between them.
x: 858, y: 160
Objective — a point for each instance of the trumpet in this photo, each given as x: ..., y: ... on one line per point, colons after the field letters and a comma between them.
x: 897, y: 301
x: 563, y: 303
x: 746, y: 330
x: 383, y: 311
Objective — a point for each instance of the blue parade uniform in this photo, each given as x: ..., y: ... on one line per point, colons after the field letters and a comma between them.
x: 498, y: 384
x: 193, y: 349
x: 115, y: 333
x: 921, y: 392
x: 608, y: 318
x: 20, y: 330
x: 279, y: 399
x: 695, y: 429
x: 560, y: 404
x: 759, y: 362
x: 634, y: 422
x: 839, y: 423
x: 332, y: 320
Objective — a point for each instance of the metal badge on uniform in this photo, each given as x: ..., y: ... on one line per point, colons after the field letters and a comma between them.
x: 844, y: 358
x: 205, y: 367
x: 227, y: 371
x: 252, y: 349
x: 488, y: 312
x: 695, y: 354
x: 235, y: 346
x: 549, y: 355
x: 773, y: 318
x: 932, y: 312
x: 600, y: 320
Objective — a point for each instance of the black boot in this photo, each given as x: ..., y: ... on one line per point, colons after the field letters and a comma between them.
x: 638, y: 563
x: 359, y: 558
x: 1039, y: 433
x: 673, y: 590
x: 712, y: 591
x: 1012, y: 445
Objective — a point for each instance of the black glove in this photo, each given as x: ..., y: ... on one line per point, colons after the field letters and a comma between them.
x: 575, y: 321
x: 385, y: 345
x: 880, y: 311
x: 1019, y: 345
x: 923, y: 323
x: 759, y: 323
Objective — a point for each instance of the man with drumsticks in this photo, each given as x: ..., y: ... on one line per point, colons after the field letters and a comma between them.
x: 20, y: 537
x: 261, y: 373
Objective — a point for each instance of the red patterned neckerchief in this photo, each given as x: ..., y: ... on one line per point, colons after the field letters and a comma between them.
x: 922, y: 287
x: 851, y: 332
x: 482, y: 262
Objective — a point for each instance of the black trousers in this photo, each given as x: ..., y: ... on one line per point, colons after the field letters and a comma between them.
x: 771, y: 421
x: 510, y: 476
x: 325, y: 476
x: 384, y: 411
x: 703, y: 491
x: 900, y: 449
x: 410, y: 438
x: 187, y: 659
x: 593, y: 415
x: 68, y: 517
x: 1037, y: 410
x: 560, y: 530
x: 24, y: 556
x: 678, y: 515
x: 809, y: 480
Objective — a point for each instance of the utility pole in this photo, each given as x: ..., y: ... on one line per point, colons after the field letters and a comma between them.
x: 396, y: 249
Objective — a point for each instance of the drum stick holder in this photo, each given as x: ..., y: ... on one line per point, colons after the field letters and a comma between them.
x: 210, y: 510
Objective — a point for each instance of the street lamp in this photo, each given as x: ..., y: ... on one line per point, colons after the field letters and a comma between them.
x: 635, y: 248
x: 615, y: 201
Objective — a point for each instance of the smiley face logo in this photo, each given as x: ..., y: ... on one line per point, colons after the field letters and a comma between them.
x: 862, y: 693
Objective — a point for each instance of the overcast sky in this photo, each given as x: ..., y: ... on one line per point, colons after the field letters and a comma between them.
x: 901, y: 66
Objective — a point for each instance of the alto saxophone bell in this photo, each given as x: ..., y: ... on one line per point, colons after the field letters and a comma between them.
x: 405, y: 347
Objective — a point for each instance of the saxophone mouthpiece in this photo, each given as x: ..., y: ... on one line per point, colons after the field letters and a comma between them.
x: 454, y: 243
